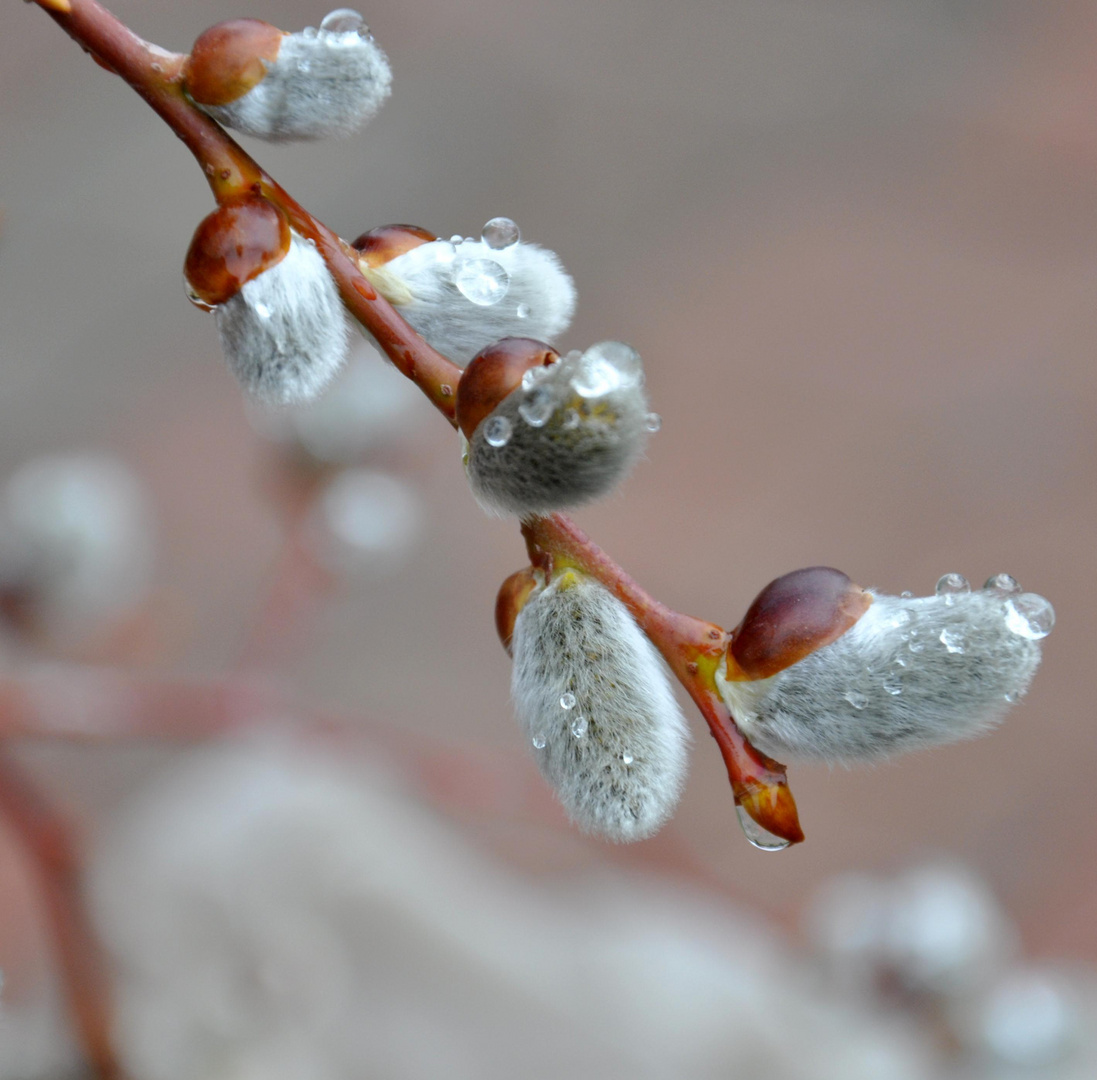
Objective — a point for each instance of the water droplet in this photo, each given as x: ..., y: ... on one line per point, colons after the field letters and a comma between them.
x: 523, y: 311
x: 595, y: 377
x: 1003, y: 583
x: 627, y: 758
x: 900, y: 661
x: 537, y: 407
x: 532, y: 377
x: 500, y: 233
x: 310, y: 32
x: 625, y: 361
x: 653, y: 421
x: 952, y: 585
x: 497, y: 431
x: 579, y: 726
x: 567, y: 701
x: 345, y: 21
x: 759, y: 837
x: 456, y: 238
x: 539, y: 741
x: 906, y: 594
x: 571, y: 420
x: 856, y: 699
x: 482, y: 281
x: 1030, y: 616
x: 893, y: 684
x: 262, y: 311
x: 1012, y: 696
x: 953, y: 640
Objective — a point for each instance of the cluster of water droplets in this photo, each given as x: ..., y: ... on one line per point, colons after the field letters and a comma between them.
x: 603, y: 369
x: 483, y: 281
x: 1026, y: 614
x: 577, y: 722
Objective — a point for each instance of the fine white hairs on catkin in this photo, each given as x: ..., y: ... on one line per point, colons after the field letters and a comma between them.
x: 569, y: 434
x: 594, y: 700
x: 462, y: 297
x: 284, y: 333
x: 912, y: 672
x: 322, y: 82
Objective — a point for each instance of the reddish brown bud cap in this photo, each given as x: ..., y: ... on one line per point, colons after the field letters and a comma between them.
x: 229, y: 59
x: 244, y: 236
x: 791, y: 618
x: 495, y: 372
x: 513, y: 594
x: 381, y: 245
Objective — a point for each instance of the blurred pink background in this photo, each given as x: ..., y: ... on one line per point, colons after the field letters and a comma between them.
x: 855, y: 243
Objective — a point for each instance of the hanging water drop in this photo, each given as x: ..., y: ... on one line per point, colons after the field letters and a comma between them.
x: 759, y: 837
x: 627, y: 758
x: 893, y: 684
x: 482, y: 281
x: 953, y: 640
x: 500, y: 233
x: 497, y: 431
x: 539, y: 741
x: 1030, y: 616
x: 579, y: 726
x: 653, y: 422
x: 537, y: 407
x: 523, y: 311
x: 856, y: 699
x: 567, y: 701
x: 1003, y: 583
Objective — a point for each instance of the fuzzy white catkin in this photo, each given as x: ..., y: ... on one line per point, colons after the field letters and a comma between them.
x: 76, y: 534
x: 539, y: 300
x: 617, y: 756
x: 284, y: 333
x: 910, y: 673
x: 563, y: 447
x: 319, y: 84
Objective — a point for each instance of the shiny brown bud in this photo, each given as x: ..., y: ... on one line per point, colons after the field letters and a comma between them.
x: 791, y: 618
x: 493, y: 374
x: 513, y: 594
x: 244, y: 236
x: 381, y: 245
x: 229, y: 59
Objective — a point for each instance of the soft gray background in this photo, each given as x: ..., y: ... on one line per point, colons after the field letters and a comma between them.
x: 856, y: 243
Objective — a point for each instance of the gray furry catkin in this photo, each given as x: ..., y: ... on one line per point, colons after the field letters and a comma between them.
x: 321, y: 83
x: 593, y: 698
x: 284, y: 333
x: 910, y: 673
x: 539, y: 300
x: 566, y: 437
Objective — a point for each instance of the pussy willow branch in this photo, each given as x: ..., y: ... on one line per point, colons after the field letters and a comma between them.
x: 691, y: 647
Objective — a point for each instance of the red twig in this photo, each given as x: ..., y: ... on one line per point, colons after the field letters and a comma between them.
x: 49, y: 842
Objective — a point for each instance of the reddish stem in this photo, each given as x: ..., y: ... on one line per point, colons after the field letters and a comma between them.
x: 49, y: 842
